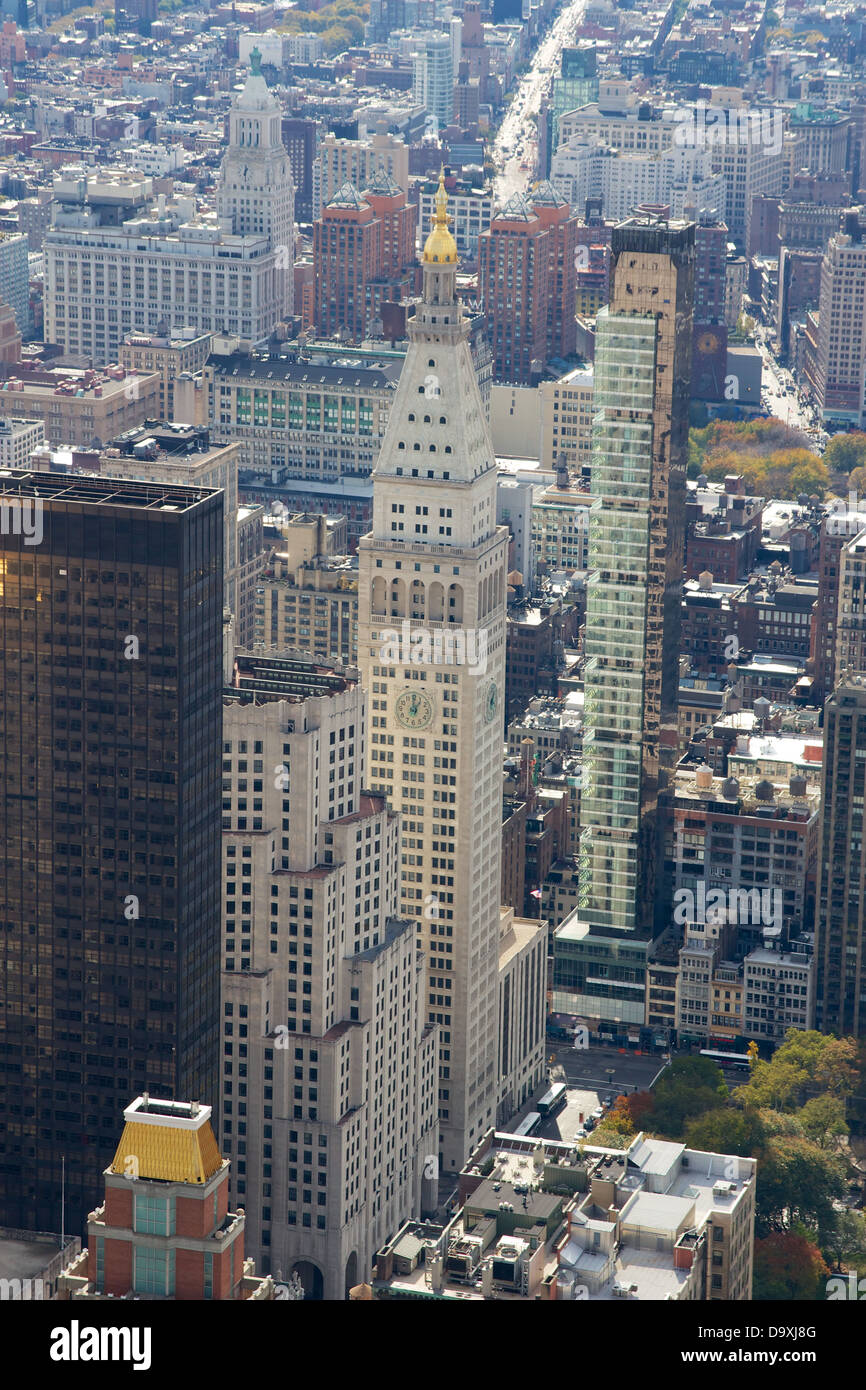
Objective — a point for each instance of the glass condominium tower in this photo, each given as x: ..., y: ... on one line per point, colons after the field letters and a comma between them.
x: 636, y: 541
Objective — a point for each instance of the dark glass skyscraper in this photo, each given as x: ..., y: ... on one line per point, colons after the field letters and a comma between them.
x: 111, y: 604
x: 841, y: 925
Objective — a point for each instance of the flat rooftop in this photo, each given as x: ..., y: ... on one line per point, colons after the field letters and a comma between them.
x: 103, y: 492
x: 279, y: 368
x: 24, y: 1259
x: 260, y: 679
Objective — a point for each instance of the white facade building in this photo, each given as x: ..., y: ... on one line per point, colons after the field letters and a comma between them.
x: 434, y: 76
x: 432, y: 573
x: 329, y: 1090
x: 778, y: 993
x: 470, y: 210
x: 256, y: 193
x: 119, y: 260
x: 676, y: 177
x: 18, y: 439
x: 357, y: 161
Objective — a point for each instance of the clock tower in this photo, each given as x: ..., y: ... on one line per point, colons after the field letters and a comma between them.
x: 256, y: 191
x: 431, y: 642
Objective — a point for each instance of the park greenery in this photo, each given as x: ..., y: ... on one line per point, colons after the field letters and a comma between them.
x: 774, y: 459
x: 339, y: 25
x: 67, y: 21
x: 793, y: 1114
x: 845, y: 454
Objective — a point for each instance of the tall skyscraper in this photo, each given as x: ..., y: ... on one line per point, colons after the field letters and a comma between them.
x: 577, y: 85
x: 363, y: 256
x: 329, y: 1086
x: 256, y: 189
x: 528, y: 282
x: 709, y: 330
x: 111, y: 611
x: 835, y: 364
x: 514, y: 282
x: 431, y: 648
x: 636, y: 543
x: 559, y: 310
x: 433, y: 67
x: 837, y: 533
x: 841, y: 935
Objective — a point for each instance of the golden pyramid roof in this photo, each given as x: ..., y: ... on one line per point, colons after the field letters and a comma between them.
x: 167, y: 1141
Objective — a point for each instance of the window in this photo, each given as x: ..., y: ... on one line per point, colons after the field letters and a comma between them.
x: 154, y: 1216
x: 154, y: 1271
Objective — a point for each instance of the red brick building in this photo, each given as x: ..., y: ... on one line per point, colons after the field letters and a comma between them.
x: 562, y: 225
x: 363, y: 255
x: 165, y: 1230
x: 514, y: 263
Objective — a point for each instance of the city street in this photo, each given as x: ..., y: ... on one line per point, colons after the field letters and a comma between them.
x: 515, y: 143
x: 590, y: 1074
x: 774, y: 397
x: 604, y: 1068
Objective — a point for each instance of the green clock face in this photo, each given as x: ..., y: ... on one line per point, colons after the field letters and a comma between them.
x: 414, y: 709
x: 491, y: 702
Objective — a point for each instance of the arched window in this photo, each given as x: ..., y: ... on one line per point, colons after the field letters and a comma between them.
x: 401, y: 445
x: 432, y: 448
x: 426, y: 419
x: 442, y: 420
x: 430, y: 362
x: 436, y: 602
x: 411, y: 415
x: 448, y: 448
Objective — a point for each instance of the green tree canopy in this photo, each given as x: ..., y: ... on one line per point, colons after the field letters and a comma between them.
x: 774, y: 459
x: 726, y: 1131
x: 685, y: 1089
x: 845, y: 451
x: 844, y: 1242
x: 808, y: 1063
x: 797, y: 1182
x: 823, y: 1121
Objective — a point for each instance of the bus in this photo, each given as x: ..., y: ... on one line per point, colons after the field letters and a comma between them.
x: 528, y: 1125
x: 737, y: 1061
x: 552, y: 1100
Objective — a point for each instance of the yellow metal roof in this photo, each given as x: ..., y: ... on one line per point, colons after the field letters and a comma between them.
x: 167, y: 1153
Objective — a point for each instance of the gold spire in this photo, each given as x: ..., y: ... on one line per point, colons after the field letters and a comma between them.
x: 440, y: 247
